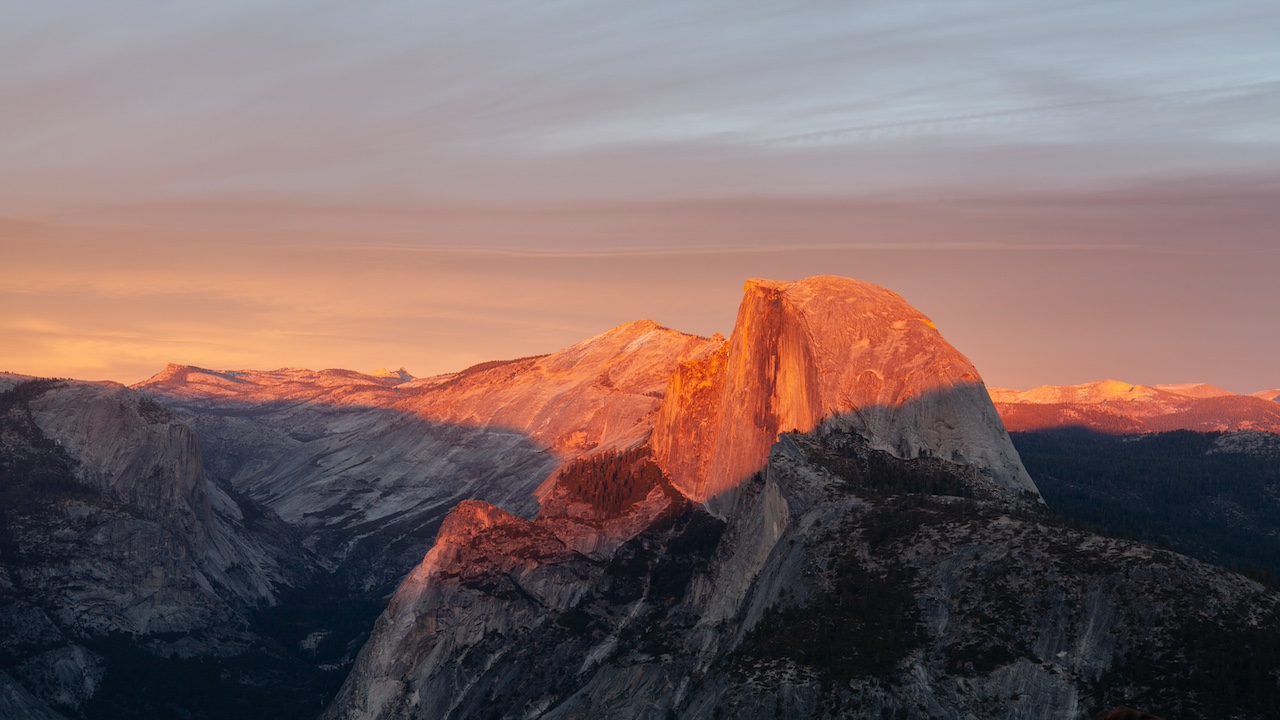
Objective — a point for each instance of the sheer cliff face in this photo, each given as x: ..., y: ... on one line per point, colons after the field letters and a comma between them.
x: 129, y: 448
x: 135, y: 454
x: 827, y: 350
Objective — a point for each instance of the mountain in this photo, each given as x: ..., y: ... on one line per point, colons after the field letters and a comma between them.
x: 821, y: 515
x: 1190, y: 466
x: 366, y: 467
x: 822, y: 595
x: 401, y: 374
x: 1268, y: 394
x: 885, y: 555
x: 833, y: 350
x: 1115, y: 407
x: 118, y: 556
x: 1195, y: 390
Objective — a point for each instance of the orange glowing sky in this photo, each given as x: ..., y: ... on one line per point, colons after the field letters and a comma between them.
x: 1071, y: 193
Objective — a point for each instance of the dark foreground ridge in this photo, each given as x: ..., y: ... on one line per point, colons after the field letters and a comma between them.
x: 845, y: 583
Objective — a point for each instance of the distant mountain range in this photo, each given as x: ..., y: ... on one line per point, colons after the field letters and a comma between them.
x: 1120, y: 408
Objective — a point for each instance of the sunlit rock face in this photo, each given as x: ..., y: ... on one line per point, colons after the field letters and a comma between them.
x: 402, y: 374
x: 833, y: 350
x: 367, y: 466
x: 599, y: 393
x: 1115, y: 407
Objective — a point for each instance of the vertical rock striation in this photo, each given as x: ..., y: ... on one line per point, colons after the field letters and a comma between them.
x: 827, y: 350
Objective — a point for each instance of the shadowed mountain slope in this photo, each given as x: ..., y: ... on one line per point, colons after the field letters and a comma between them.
x: 120, y: 557
x: 1215, y: 496
x: 843, y: 582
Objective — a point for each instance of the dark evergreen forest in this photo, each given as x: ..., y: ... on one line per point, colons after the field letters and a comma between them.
x: 1176, y: 489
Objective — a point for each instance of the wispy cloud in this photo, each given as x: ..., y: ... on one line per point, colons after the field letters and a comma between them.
x: 611, y: 99
x: 1113, y: 105
x: 729, y: 250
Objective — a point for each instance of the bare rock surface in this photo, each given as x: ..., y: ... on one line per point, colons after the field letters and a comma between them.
x: 114, y: 544
x: 1248, y: 442
x: 368, y: 466
x: 16, y: 703
x: 823, y: 349
x: 821, y: 516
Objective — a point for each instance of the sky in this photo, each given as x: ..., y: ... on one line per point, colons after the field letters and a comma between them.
x: 1072, y: 191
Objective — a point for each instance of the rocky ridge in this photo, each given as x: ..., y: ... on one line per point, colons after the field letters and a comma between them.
x: 367, y: 467
x: 1115, y: 407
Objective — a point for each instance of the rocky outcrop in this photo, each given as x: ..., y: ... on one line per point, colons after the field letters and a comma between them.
x: 1120, y: 408
x: 832, y: 350
x: 820, y: 516
x: 941, y: 607
x: 1248, y: 443
x: 401, y: 374
x: 827, y: 355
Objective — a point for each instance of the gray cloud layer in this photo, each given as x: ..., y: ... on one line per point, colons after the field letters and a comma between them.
x: 512, y: 101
